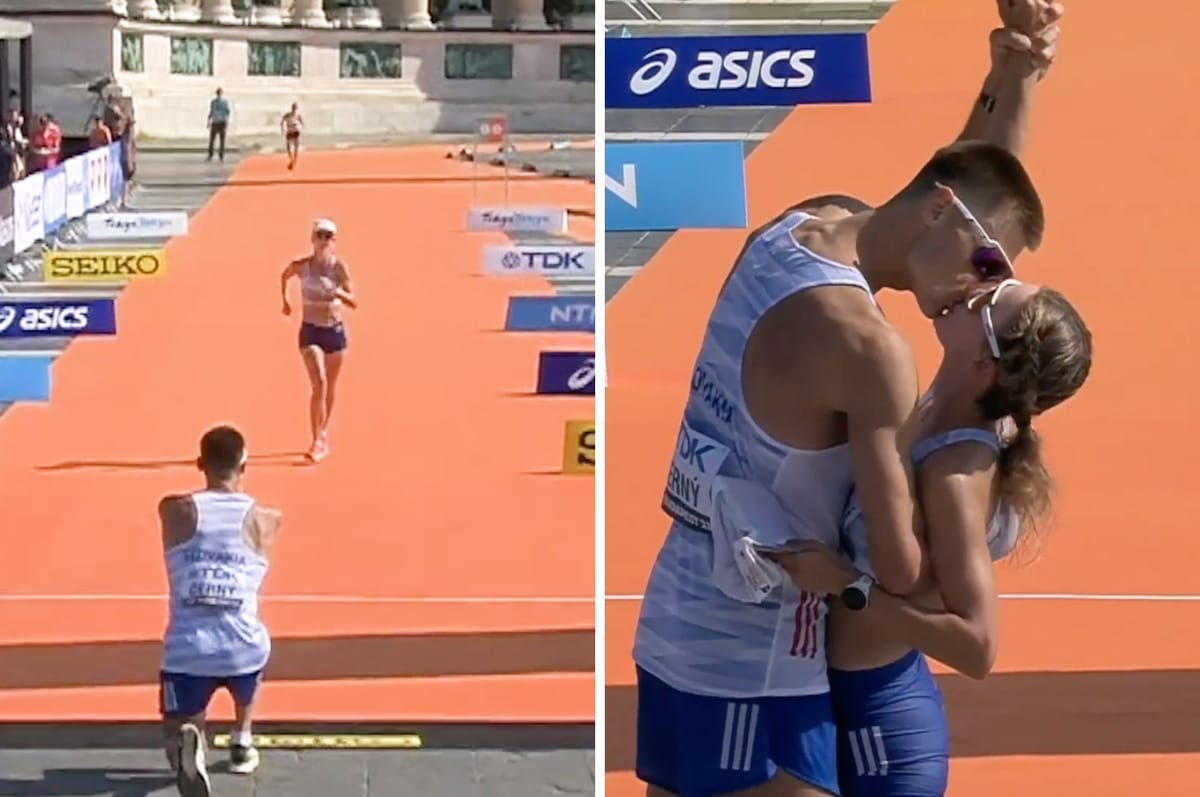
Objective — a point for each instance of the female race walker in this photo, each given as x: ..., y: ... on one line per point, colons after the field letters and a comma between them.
x: 291, y: 124
x: 324, y: 289
x: 1010, y: 353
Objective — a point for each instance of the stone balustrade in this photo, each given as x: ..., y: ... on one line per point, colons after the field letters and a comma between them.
x: 518, y: 15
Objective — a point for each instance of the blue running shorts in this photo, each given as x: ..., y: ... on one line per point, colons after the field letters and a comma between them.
x: 892, y: 739
x: 700, y: 746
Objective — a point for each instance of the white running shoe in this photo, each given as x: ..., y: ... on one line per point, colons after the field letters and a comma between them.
x: 243, y: 760
x: 192, y: 778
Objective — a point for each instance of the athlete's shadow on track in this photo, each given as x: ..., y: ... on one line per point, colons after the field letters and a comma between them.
x: 135, y: 662
x: 292, y: 459
x: 87, y: 782
x: 1025, y: 713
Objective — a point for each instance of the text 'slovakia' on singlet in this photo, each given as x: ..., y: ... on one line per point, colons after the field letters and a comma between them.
x: 213, y: 629
x: 690, y: 634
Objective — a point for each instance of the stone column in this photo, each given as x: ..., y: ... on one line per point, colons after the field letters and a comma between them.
x: 144, y: 9
x: 310, y: 13
x: 407, y: 14
x: 526, y: 15
x: 218, y: 11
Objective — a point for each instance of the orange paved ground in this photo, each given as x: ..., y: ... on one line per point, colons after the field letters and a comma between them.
x: 442, y: 483
x: 1089, y: 697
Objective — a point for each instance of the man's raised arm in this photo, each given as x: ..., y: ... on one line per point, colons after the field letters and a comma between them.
x: 1021, y: 53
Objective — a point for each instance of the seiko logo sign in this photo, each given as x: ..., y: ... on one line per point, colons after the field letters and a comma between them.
x: 99, y: 266
x: 738, y: 69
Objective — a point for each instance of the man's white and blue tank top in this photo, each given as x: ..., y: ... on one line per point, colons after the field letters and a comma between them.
x: 214, y: 577
x: 690, y: 634
x: 1003, y: 528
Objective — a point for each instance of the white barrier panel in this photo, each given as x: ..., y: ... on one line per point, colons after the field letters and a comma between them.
x: 517, y: 219
x: 558, y: 261
x: 129, y: 226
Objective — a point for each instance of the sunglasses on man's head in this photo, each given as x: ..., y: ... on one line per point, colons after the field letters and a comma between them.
x: 990, y: 260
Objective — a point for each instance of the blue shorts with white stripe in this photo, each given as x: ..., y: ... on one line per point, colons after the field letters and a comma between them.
x: 700, y: 746
x: 892, y: 736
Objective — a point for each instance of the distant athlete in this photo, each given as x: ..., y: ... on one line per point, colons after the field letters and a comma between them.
x: 803, y: 388
x: 324, y: 289
x: 215, y: 542
x: 292, y: 124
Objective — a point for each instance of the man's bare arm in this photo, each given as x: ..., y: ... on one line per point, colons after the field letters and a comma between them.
x: 262, y: 526
x: 881, y: 396
x: 1020, y: 57
x: 177, y: 519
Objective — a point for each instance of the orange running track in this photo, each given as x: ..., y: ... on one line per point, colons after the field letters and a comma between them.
x: 436, y: 566
x: 1098, y: 696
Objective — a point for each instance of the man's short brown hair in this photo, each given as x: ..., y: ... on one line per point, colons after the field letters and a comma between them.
x: 990, y: 179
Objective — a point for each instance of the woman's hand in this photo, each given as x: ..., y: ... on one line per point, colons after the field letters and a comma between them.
x: 817, y: 568
x: 287, y: 307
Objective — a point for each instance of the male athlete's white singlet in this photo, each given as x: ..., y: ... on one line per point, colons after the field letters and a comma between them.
x: 214, y: 577
x: 690, y: 634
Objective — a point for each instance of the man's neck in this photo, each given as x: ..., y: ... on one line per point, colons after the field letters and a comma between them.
x: 876, y: 253
x: 215, y: 485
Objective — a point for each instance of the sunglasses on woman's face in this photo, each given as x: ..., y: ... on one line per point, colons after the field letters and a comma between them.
x: 990, y: 260
x: 325, y: 235
x: 989, y: 328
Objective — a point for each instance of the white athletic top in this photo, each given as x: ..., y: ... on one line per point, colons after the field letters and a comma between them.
x: 1004, y: 526
x: 690, y: 634
x: 291, y: 122
x: 214, y: 578
x: 318, y: 284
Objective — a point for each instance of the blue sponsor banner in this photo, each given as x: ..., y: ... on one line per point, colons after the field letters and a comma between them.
x: 58, y: 318
x: 116, y: 173
x: 24, y: 379
x: 54, y: 198
x: 567, y: 373
x: 551, y: 314
x: 674, y: 185
x: 729, y: 71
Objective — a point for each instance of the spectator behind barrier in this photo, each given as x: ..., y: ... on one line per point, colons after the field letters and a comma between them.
x: 45, y: 144
x: 15, y: 136
x: 99, y: 134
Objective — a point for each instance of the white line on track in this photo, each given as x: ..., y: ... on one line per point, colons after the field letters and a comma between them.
x: 1034, y: 596
x: 302, y: 599
x: 546, y: 600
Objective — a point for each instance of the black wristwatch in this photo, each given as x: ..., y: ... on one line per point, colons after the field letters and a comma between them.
x: 857, y: 596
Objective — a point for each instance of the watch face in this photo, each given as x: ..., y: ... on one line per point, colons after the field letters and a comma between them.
x: 854, y: 598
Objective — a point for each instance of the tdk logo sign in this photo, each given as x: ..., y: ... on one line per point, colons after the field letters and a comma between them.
x: 733, y: 71
x: 739, y: 69
x: 574, y: 261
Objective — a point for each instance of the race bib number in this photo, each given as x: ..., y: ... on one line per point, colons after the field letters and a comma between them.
x: 696, y: 462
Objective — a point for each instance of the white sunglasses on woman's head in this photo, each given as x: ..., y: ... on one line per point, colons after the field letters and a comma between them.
x: 989, y: 329
x: 990, y: 260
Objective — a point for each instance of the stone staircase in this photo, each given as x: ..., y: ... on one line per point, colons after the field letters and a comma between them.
x: 741, y: 17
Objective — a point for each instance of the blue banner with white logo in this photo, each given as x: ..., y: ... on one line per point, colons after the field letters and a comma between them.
x: 58, y: 318
x: 567, y: 373
x: 551, y: 314
x: 54, y: 198
x: 674, y: 185
x: 712, y: 71
x: 24, y: 378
